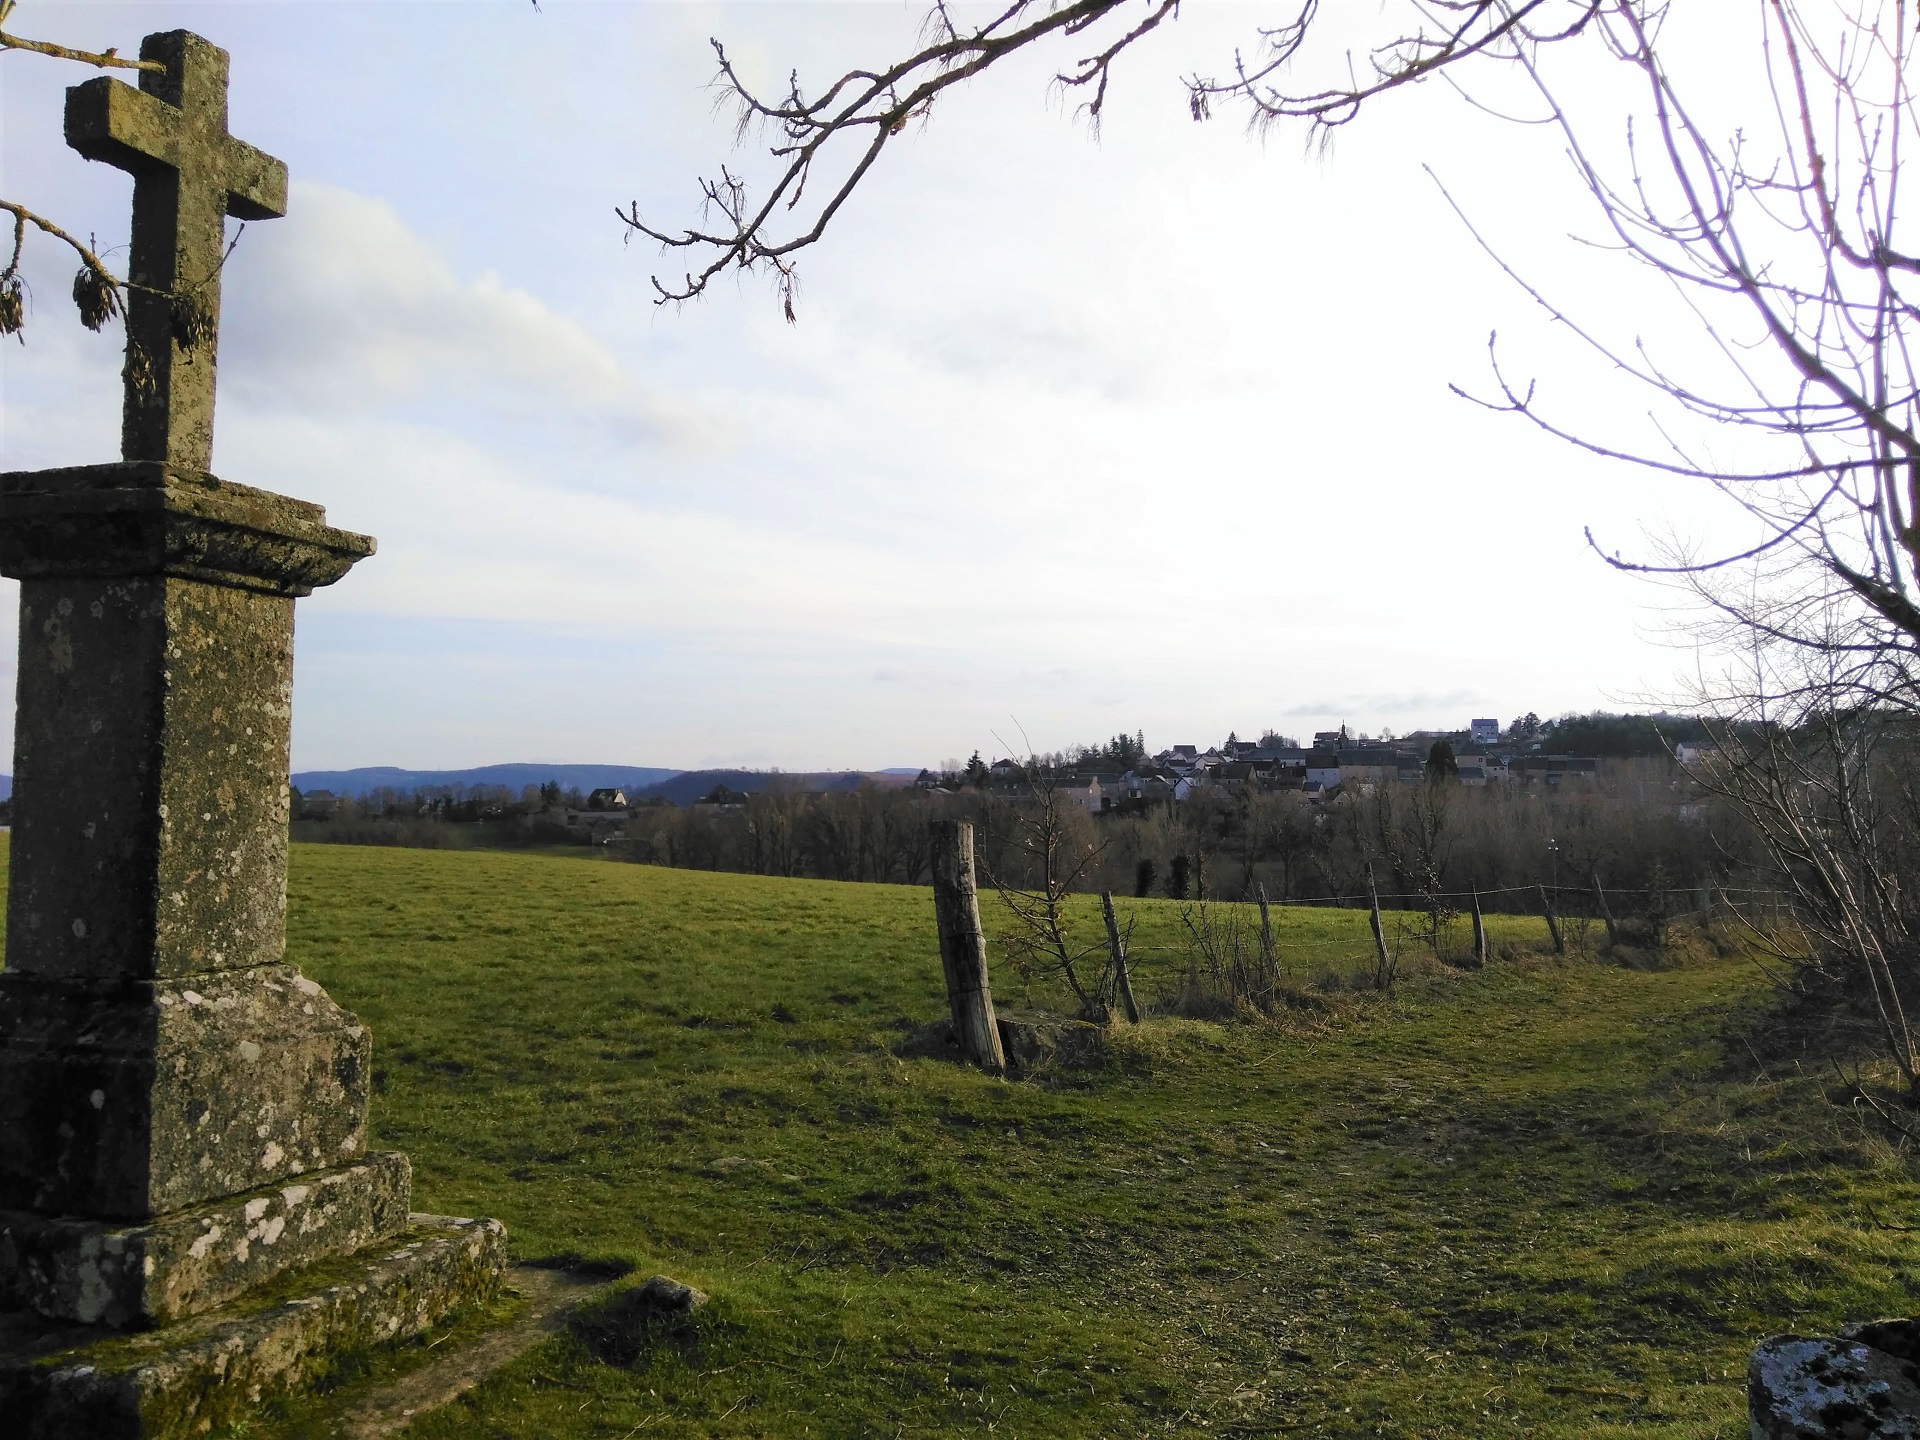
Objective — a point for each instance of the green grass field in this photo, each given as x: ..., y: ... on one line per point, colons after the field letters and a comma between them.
x: 1552, y: 1198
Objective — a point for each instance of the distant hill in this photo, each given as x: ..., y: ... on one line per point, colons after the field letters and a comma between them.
x: 514, y: 777
x: 690, y: 785
x: 634, y: 779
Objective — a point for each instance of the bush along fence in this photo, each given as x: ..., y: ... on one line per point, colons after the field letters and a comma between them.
x: 1210, y: 958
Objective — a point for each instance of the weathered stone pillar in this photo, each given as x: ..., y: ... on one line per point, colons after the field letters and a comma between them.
x: 159, y: 1062
x: 182, y: 1114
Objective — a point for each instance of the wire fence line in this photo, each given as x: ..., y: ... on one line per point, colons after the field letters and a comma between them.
x: 1422, y: 898
x: 1221, y: 955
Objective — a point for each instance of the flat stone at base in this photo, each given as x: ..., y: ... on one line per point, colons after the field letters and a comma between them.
x: 187, y: 1379
x: 374, y: 1410
x: 94, y: 1272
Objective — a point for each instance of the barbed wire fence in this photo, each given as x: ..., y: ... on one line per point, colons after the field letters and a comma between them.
x: 1226, y: 955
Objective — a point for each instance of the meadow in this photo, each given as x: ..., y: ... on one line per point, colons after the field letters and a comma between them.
x: 1555, y: 1197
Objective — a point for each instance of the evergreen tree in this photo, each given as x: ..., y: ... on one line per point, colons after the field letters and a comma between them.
x: 1177, y: 878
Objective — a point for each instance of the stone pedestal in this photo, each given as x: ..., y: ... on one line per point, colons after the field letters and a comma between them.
x: 182, y: 1114
x: 68, y: 1383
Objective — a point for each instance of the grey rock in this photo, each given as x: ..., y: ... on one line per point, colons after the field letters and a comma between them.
x: 1035, y: 1041
x: 663, y: 1295
x: 1898, y: 1337
x: 1801, y: 1388
x: 622, y: 1329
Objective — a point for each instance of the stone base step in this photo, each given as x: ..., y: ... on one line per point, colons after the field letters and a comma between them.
x: 65, y: 1383
x: 156, y: 1272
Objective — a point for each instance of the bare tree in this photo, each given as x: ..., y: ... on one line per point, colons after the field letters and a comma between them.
x: 1784, y: 243
x: 824, y: 145
x: 1835, y: 799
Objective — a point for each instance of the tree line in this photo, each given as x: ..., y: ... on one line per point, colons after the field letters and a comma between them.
x: 1641, y: 826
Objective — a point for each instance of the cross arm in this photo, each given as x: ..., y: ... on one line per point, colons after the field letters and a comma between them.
x: 109, y: 120
x: 256, y: 183
x: 139, y: 132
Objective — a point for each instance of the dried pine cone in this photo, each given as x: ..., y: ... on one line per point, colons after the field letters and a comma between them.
x: 93, y: 292
x: 138, y: 371
x: 13, y: 306
x: 192, y: 322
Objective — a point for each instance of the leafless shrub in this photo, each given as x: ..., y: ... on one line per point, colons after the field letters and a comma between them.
x: 1836, y: 800
x: 1056, y: 862
x: 1228, y: 969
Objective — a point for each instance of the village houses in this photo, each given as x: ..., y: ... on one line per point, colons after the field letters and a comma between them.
x: 1338, y: 761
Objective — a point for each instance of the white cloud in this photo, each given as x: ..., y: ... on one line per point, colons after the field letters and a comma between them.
x: 1145, y: 433
x: 342, y: 308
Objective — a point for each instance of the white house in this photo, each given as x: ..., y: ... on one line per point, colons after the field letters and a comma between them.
x: 1323, y: 769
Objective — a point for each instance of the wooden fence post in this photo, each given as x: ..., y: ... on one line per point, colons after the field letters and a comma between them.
x: 1122, y: 982
x: 1600, y: 899
x: 1383, y: 967
x: 1553, y: 926
x: 963, y: 946
x: 1266, y: 930
x: 1479, y: 933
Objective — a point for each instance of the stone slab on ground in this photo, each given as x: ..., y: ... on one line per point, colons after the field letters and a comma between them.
x: 94, y: 1272
x: 551, y: 1297
x: 1033, y: 1041
x: 1833, y: 1388
x: 189, y: 1378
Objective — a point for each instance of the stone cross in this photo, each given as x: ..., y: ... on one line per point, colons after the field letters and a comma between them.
x: 189, y: 175
x: 183, y: 1114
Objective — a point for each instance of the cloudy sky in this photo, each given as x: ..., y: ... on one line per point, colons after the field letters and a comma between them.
x: 1149, y: 430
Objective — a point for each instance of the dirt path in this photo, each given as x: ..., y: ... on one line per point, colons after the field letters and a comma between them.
x: 551, y: 1294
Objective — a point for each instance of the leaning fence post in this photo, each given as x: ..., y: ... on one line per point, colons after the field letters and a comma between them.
x: 1384, y: 968
x: 1122, y: 982
x: 1553, y: 927
x: 1479, y: 932
x: 1600, y: 899
x: 963, y: 946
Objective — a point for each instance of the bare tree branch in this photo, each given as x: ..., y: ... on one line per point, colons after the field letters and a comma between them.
x: 102, y: 59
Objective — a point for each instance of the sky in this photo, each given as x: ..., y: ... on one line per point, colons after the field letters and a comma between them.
x: 1076, y: 434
